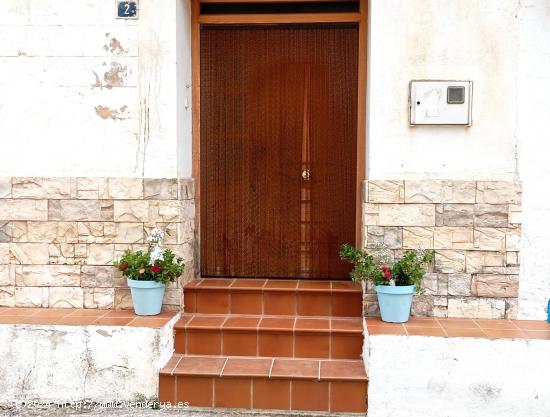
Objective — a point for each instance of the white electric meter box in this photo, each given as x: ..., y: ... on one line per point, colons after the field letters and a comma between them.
x: 440, y: 102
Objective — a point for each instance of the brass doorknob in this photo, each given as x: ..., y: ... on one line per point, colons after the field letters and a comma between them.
x: 305, y: 175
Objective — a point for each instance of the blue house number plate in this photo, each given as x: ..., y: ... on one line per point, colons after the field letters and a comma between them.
x: 127, y: 9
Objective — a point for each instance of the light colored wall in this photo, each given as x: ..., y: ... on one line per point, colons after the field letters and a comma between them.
x: 442, y: 39
x: 63, y: 364
x: 86, y: 94
x: 457, y: 377
x: 534, y: 153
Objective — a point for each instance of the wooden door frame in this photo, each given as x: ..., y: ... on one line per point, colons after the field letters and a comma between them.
x: 360, y: 17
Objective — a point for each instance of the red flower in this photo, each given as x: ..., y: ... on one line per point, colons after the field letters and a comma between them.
x: 387, y: 274
x: 123, y: 266
x: 155, y: 268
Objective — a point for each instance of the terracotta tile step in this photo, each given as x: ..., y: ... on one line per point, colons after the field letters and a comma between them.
x: 293, y: 337
x: 82, y: 317
x: 265, y: 383
x: 274, y: 297
x: 462, y: 327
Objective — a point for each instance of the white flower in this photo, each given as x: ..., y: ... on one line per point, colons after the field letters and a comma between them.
x: 156, y: 236
x: 156, y: 253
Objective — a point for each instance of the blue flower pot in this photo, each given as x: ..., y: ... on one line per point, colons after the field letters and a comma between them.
x: 395, y: 302
x: 147, y: 296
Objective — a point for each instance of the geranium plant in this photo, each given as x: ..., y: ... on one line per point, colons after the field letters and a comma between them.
x: 156, y: 264
x: 381, y: 268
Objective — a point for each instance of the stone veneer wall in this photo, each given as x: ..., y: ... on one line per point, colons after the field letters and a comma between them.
x: 59, y: 237
x: 474, y: 228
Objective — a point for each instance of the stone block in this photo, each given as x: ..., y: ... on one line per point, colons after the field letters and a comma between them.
x: 440, y: 311
x: 66, y: 297
x: 100, y: 254
x: 30, y: 253
x: 74, y: 210
x: 370, y: 214
x: 376, y: 235
x: 418, y: 237
x: 453, y: 237
x: 423, y: 305
x: 88, y: 188
x: 129, y: 233
x: 173, y: 296
x: 512, y: 258
x: 5, y: 187
x: 186, y: 210
x: 486, y: 238
x: 47, y: 275
x: 498, y: 192
x: 430, y: 283
x: 186, y: 231
x: 495, y: 285
x: 407, y: 215
x: 45, y: 232
x: 385, y: 191
x: 439, y: 191
x: 6, y: 233
x: 107, y: 210
x: 186, y: 189
x: 482, y: 308
x: 456, y: 215
x: 102, y: 298
x: 7, y: 275
x: 63, y: 250
x: 132, y: 211
x: 41, y: 188
x: 514, y: 214
x: 123, y: 298
x: 490, y: 215
x: 513, y: 239
x: 450, y: 261
x: 5, y: 253
x: 125, y: 188
x: 24, y: 209
x: 459, y: 284
x: 31, y: 297
x: 476, y: 261
x: 160, y: 188
x: 441, y: 301
x: 167, y: 210
x: 7, y: 296
x: 511, y: 309
x: 97, y: 276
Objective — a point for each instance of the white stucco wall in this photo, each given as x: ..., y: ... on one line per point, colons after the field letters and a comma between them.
x: 442, y: 40
x: 50, y: 54
x: 534, y: 152
x: 412, y: 376
x: 62, y: 364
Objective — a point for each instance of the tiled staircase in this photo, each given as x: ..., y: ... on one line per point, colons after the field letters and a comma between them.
x: 268, y: 344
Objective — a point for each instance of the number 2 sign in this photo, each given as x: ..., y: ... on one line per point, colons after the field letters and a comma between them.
x: 127, y: 9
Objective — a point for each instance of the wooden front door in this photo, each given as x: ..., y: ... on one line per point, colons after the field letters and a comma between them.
x: 278, y: 140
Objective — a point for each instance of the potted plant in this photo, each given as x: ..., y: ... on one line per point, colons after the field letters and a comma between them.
x: 148, y: 272
x: 395, y: 281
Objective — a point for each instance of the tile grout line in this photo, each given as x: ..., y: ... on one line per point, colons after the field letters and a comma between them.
x: 223, y: 367
x: 271, y: 368
x: 176, y: 365
x: 319, y: 372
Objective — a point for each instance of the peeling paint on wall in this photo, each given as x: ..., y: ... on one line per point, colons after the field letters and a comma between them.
x: 115, y: 47
x: 115, y: 76
x: 107, y: 113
